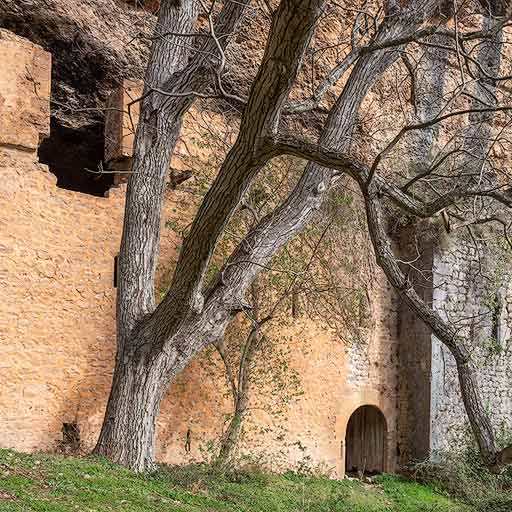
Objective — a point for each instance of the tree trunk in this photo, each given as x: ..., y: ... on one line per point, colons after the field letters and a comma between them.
x: 156, y: 342
x: 446, y: 332
x: 232, y: 434
x: 478, y: 418
x: 128, y: 432
x: 241, y: 399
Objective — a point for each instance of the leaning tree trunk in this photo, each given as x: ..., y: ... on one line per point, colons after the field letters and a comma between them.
x: 230, y: 438
x: 479, y: 420
x: 446, y: 332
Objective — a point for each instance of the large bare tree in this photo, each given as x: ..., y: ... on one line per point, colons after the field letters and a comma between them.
x: 156, y: 341
x: 453, y: 194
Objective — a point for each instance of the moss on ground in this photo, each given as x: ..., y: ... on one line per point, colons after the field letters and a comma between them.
x: 45, y: 483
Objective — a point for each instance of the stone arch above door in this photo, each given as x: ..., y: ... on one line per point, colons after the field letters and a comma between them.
x: 386, y: 404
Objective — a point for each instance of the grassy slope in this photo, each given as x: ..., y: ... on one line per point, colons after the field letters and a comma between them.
x: 58, y: 484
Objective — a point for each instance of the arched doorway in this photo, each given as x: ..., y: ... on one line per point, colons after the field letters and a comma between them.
x: 365, y: 441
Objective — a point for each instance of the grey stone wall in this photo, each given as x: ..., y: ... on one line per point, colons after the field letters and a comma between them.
x: 472, y: 288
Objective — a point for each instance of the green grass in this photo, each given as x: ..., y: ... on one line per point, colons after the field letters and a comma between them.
x: 45, y: 483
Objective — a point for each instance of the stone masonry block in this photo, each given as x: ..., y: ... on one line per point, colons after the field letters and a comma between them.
x: 24, y: 92
x: 120, y: 124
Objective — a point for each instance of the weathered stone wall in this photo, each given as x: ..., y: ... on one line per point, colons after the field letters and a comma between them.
x: 471, y: 286
x: 57, y: 307
x: 373, y: 368
x: 24, y: 92
x: 468, y: 281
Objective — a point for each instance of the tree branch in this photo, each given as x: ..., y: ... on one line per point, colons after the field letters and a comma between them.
x: 443, y: 330
x: 290, y: 34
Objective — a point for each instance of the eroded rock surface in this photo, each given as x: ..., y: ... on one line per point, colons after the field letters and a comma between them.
x: 93, y: 44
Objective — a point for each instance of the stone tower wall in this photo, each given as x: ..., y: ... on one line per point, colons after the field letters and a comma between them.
x: 468, y: 282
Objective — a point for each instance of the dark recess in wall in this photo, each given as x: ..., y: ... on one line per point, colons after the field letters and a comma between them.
x: 69, y: 152
x: 70, y: 443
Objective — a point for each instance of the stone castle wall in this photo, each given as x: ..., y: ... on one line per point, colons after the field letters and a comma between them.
x: 472, y: 286
x: 57, y: 314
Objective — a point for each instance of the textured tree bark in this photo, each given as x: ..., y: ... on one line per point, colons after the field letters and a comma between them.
x: 287, y: 221
x: 155, y: 343
x: 127, y: 436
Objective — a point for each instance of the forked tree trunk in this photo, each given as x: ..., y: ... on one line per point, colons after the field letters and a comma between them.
x: 154, y: 343
x: 128, y: 431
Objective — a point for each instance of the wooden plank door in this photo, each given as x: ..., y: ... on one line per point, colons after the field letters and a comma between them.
x: 365, y: 441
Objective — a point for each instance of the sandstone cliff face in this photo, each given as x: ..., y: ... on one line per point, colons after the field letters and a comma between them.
x: 96, y: 43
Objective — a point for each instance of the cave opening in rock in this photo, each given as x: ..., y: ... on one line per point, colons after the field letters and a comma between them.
x: 365, y: 441
x: 74, y: 156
